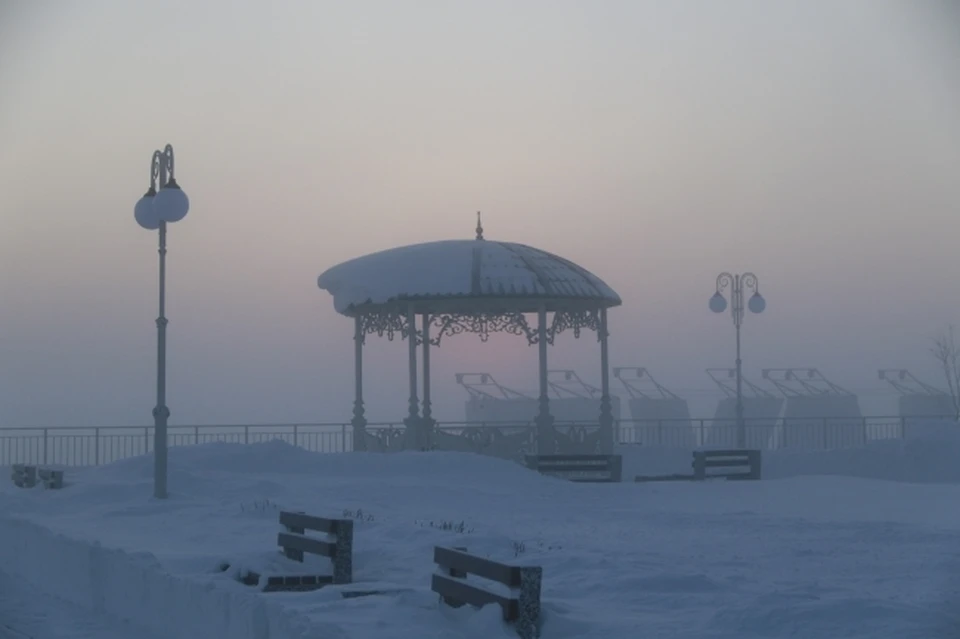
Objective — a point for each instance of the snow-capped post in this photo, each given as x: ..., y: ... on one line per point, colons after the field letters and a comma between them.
x: 342, y: 558
x: 153, y: 211
x: 359, y: 422
x: 427, y: 419
x: 528, y: 602
x: 606, y: 408
x: 546, y: 442
x: 412, y: 422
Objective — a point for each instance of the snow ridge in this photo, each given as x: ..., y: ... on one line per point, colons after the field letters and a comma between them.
x: 134, y: 588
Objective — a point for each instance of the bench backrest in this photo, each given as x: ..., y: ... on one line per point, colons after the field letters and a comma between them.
x: 735, y: 458
x: 580, y: 468
x: 295, y: 541
x: 25, y: 476
x: 521, y: 609
x: 52, y: 479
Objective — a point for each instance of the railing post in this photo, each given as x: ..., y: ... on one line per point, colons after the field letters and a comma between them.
x: 196, y: 435
x: 343, y: 438
x: 96, y: 446
x: 659, y: 432
x: 825, y: 434
x: 146, y: 440
x: 246, y: 434
x: 45, y: 446
x: 903, y: 427
x: 296, y: 435
x: 865, y: 438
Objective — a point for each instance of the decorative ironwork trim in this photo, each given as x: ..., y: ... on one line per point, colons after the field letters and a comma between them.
x: 383, y: 323
x: 391, y: 324
x: 575, y: 321
x: 481, y: 324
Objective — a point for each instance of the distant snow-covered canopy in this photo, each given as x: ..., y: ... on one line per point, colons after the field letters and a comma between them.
x: 464, y: 276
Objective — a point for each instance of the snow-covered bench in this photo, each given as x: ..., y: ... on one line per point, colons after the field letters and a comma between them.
x: 736, y: 464
x: 580, y: 468
x: 337, y: 545
x: 25, y: 476
x: 520, y: 597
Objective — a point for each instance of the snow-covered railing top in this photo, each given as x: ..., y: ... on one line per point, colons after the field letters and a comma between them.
x: 465, y: 276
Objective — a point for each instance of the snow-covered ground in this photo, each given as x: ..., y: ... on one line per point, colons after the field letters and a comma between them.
x: 26, y: 612
x: 823, y: 548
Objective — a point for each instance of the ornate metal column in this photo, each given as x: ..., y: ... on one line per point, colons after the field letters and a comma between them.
x: 606, y: 407
x: 546, y: 442
x: 427, y: 422
x: 359, y: 422
x: 412, y: 421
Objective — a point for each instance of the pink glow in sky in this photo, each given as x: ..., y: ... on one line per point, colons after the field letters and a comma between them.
x: 656, y: 143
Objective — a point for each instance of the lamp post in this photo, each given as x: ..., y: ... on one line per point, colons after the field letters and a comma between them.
x: 153, y: 212
x: 718, y: 304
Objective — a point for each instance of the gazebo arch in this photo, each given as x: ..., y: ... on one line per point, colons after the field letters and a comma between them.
x: 470, y: 286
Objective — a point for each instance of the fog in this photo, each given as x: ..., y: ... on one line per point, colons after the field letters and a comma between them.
x: 816, y: 144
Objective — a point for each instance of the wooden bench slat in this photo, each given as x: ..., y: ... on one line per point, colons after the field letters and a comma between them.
x: 308, y: 522
x: 592, y: 466
x: 462, y: 591
x: 647, y: 478
x: 723, y: 463
x: 723, y: 452
x: 749, y: 459
x: 306, y: 544
x: 521, y: 607
x: 609, y: 467
x: 570, y: 468
x: 485, y: 568
x: 602, y: 459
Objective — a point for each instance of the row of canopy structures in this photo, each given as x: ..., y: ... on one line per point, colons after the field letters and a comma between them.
x: 426, y: 292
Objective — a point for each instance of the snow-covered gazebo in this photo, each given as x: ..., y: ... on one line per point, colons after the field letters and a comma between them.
x: 472, y: 286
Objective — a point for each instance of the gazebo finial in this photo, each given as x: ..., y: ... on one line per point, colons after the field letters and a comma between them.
x: 479, y: 227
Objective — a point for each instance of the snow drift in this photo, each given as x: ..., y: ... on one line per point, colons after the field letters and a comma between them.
x: 135, y: 588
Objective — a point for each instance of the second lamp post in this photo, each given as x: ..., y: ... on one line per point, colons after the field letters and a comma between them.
x: 718, y: 304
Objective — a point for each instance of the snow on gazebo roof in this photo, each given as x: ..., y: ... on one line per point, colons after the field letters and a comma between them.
x: 465, y: 276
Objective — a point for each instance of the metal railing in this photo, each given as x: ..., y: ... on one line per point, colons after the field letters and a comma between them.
x: 89, y: 446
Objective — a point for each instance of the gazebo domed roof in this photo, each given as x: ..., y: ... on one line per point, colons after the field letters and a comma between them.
x: 465, y: 276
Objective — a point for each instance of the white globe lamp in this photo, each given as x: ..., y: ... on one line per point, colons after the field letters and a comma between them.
x: 144, y: 212
x: 718, y: 303
x: 756, y: 303
x: 171, y: 203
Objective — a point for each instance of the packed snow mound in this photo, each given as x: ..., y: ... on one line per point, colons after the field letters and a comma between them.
x: 918, y: 461
x: 135, y: 588
x: 278, y: 457
x: 789, y: 557
x: 913, y: 460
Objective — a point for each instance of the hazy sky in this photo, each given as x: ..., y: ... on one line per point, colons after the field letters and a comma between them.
x: 816, y: 143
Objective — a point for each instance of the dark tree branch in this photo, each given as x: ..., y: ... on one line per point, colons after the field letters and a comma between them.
x: 947, y: 353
